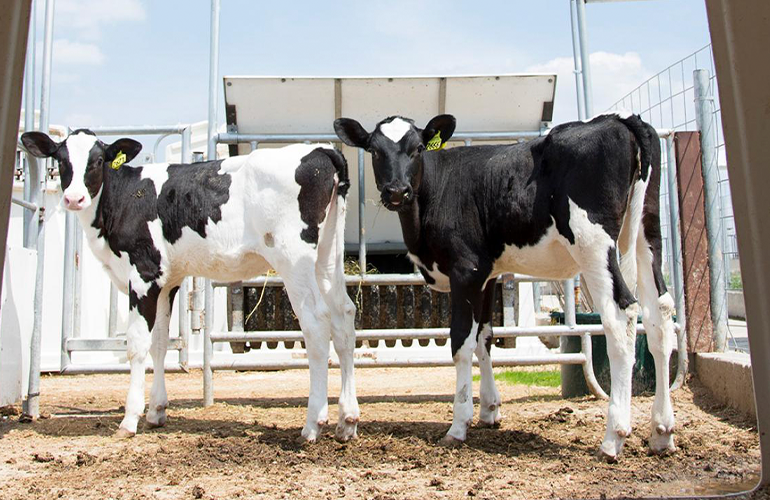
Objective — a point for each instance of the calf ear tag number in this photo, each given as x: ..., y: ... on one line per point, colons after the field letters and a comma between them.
x: 119, y: 160
x: 435, y: 143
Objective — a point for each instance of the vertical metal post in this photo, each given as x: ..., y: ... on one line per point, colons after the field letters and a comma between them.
x: 704, y: 117
x: 585, y: 64
x: 112, y: 329
x: 30, y: 223
x: 67, y: 308
x: 78, y: 281
x: 181, y: 300
x: 576, y: 57
x: 677, y: 266
x: 208, y: 347
x: 32, y: 405
x: 361, y: 213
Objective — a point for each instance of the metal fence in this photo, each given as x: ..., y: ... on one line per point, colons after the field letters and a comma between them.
x: 672, y: 99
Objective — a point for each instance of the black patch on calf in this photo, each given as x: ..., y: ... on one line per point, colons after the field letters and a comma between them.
x: 147, y: 305
x: 315, y: 176
x: 191, y: 196
x: 620, y: 292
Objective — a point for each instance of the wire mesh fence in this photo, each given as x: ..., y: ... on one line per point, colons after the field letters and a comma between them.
x: 667, y: 100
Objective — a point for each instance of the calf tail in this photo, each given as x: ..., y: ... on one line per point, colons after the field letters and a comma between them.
x: 646, y: 138
x: 341, y: 166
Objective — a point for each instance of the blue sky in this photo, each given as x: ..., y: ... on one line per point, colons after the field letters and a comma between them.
x: 119, y: 62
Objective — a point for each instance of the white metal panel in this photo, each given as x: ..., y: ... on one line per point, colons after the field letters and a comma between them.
x: 495, y: 103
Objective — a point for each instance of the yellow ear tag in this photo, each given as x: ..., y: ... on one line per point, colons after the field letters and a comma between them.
x: 119, y: 160
x: 435, y: 143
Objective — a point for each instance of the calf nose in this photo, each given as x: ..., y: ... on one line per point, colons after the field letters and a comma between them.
x: 397, y: 195
x: 74, y: 201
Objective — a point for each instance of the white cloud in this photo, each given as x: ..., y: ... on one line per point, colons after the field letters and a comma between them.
x: 88, y: 18
x: 80, y: 120
x: 68, y: 53
x: 612, y: 76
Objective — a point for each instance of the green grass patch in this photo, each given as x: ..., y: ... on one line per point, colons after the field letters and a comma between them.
x: 540, y: 378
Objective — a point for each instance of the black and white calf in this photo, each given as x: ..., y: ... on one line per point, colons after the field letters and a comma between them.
x: 553, y: 207
x: 232, y: 219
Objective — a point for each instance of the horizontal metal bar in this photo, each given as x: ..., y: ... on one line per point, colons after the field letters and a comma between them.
x: 297, y: 364
x: 139, y: 129
x: 74, y: 369
x: 414, y: 333
x: 234, y: 138
x: 22, y: 203
x: 369, y: 279
x: 111, y: 344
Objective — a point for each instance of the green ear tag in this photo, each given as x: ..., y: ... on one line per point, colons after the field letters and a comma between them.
x: 435, y: 143
x: 119, y: 160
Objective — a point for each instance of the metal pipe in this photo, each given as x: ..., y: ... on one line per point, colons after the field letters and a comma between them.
x: 32, y: 404
x: 676, y: 271
x: 182, y: 302
x: 361, y: 213
x: 704, y: 117
x: 414, y: 333
x: 140, y: 129
x: 67, y: 281
x: 547, y: 359
x: 375, y: 279
x: 588, y: 367
x: 112, y: 329
x: 213, y: 77
x: 576, y: 58
x: 208, y: 346
x: 78, y: 280
x: 31, y: 207
x: 585, y: 63
x: 116, y: 344
x: 114, y: 368
x: 30, y: 229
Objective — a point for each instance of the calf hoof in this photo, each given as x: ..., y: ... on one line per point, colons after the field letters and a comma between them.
x: 305, y: 441
x: 347, y: 429
x: 483, y: 424
x: 606, y: 456
x: 450, y: 442
x: 662, y: 441
x: 160, y: 422
x: 123, y: 433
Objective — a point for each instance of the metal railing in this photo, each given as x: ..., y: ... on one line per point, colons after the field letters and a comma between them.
x: 684, y: 97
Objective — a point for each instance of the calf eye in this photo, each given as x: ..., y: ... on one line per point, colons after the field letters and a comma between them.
x: 99, y: 162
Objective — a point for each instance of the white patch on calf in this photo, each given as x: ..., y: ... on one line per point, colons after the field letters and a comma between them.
x: 441, y: 280
x: 158, y: 173
x: 548, y: 258
x: 79, y: 148
x: 396, y: 129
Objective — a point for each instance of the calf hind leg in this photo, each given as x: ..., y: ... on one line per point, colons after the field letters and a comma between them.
x: 619, y: 312
x: 156, y: 413
x: 344, y: 337
x: 657, y: 316
x: 489, y: 411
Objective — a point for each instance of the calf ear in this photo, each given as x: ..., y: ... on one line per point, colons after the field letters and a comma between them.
x: 441, y: 124
x: 39, y: 144
x: 351, y: 133
x: 129, y: 147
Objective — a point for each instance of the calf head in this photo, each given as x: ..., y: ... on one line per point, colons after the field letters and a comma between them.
x: 82, y: 162
x: 397, y: 146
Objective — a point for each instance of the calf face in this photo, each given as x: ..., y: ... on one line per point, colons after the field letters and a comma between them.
x: 396, y: 146
x: 82, y: 159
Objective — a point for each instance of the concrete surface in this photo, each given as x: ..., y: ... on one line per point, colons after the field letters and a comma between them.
x: 736, y: 308
x: 728, y: 376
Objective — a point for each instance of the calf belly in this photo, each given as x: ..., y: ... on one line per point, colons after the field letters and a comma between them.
x: 548, y: 258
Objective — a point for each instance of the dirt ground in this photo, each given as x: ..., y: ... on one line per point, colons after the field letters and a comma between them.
x: 245, y: 445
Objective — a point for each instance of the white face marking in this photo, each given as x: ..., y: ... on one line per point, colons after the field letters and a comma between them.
x: 396, y: 129
x: 78, y: 148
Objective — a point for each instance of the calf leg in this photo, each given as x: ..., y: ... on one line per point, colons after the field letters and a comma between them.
x: 619, y: 311
x: 141, y: 321
x: 314, y: 319
x: 344, y: 337
x: 657, y: 313
x: 156, y: 414
x: 466, y: 313
x: 489, y: 412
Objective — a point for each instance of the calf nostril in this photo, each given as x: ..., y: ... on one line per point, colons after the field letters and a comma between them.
x: 81, y: 200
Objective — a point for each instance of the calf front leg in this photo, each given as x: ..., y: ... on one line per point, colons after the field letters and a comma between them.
x: 466, y: 312
x: 489, y: 411
x: 156, y: 413
x: 142, y: 308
